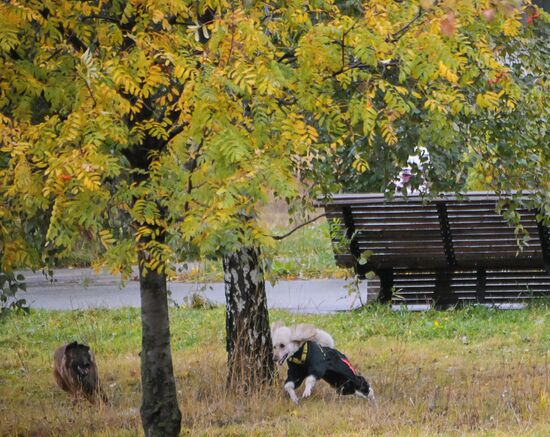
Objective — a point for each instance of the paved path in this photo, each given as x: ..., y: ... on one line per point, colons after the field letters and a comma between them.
x: 82, y: 288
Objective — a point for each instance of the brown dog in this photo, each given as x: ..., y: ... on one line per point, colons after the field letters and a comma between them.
x: 75, y: 371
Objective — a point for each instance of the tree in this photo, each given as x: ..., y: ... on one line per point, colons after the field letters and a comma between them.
x: 82, y: 130
x: 155, y: 128
x: 509, y: 146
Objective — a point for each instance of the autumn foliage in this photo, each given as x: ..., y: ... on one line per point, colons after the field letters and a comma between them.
x: 121, y: 120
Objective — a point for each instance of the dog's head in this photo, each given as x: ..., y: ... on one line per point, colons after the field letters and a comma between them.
x: 79, y: 359
x: 286, y: 341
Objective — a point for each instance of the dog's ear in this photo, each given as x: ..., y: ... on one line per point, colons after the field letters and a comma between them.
x: 276, y: 325
x: 303, y: 332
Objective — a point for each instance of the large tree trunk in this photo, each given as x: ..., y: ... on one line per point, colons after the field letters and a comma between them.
x: 249, y: 359
x: 160, y: 414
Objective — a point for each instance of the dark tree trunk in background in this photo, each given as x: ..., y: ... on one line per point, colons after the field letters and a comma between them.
x: 160, y: 414
x: 249, y: 355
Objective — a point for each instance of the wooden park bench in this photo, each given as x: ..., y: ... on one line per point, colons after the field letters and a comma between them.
x: 444, y: 251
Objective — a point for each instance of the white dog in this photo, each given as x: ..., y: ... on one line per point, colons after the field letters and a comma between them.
x: 286, y: 339
x: 310, y: 356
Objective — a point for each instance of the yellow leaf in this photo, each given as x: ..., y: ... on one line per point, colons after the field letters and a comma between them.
x: 511, y: 27
x: 447, y: 73
x: 360, y: 165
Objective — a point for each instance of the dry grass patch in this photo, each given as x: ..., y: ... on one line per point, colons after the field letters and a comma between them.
x: 473, y: 372
x: 419, y: 391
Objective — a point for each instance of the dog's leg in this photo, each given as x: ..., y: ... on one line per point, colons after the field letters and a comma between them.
x: 289, y: 388
x: 310, y: 383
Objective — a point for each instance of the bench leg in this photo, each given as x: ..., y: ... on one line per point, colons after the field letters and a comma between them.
x: 386, y: 285
x: 481, y: 280
x: 444, y: 296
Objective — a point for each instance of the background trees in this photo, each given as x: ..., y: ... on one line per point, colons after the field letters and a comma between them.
x: 508, y: 147
x: 449, y: 77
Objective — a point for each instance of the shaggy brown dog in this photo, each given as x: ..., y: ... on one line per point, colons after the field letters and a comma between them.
x: 75, y: 371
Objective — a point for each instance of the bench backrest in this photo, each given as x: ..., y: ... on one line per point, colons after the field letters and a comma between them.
x: 449, y: 232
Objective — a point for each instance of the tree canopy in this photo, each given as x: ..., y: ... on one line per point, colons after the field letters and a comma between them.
x: 466, y: 80
x: 118, y: 113
x: 123, y: 119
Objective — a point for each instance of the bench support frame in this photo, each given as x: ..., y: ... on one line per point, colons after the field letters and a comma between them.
x: 481, y: 281
x: 446, y: 234
x: 544, y: 235
x: 386, y: 285
x: 444, y: 296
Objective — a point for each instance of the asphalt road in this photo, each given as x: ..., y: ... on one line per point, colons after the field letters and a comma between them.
x: 82, y: 288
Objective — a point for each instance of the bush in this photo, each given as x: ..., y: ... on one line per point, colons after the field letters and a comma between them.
x: 10, y: 285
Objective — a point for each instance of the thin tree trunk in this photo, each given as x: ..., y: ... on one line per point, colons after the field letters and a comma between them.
x: 160, y: 414
x: 249, y: 355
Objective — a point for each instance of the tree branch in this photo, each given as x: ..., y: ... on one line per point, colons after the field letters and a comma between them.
x: 290, y: 55
x: 394, y: 37
x: 397, y: 35
x: 191, y: 165
x: 90, y: 91
x: 175, y: 131
x: 232, y: 46
x: 344, y: 39
x: 280, y: 237
x: 344, y: 68
x: 361, y: 66
x: 101, y: 17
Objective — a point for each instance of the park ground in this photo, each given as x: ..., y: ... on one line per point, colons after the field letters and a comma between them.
x: 472, y: 371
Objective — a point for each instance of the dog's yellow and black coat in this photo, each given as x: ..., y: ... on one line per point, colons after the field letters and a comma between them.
x: 328, y: 364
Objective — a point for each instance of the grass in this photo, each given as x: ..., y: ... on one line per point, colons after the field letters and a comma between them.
x: 469, y: 371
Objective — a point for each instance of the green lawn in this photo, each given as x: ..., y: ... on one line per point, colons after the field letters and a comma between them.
x: 468, y: 371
